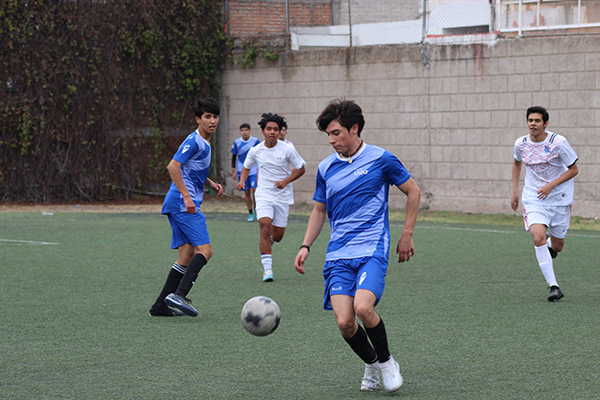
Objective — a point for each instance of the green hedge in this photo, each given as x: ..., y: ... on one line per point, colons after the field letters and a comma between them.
x: 80, y: 80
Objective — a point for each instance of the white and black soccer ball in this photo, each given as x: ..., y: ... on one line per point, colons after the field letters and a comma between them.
x: 260, y: 316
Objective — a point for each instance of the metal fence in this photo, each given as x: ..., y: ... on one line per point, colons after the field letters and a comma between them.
x: 379, y: 22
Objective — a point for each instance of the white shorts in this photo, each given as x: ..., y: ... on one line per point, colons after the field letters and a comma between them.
x: 556, y: 218
x: 277, y: 212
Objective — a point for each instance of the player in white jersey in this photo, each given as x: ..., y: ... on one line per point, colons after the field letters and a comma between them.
x: 273, y: 193
x: 352, y: 192
x: 239, y: 150
x: 548, y: 190
x: 189, y: 170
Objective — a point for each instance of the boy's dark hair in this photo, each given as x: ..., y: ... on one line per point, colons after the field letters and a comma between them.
x: 268, y: 117
x: 206, y: 106
x: 245, y: 125
x: 284, y: 125
x: 346, y: 112
x: 538, y: 110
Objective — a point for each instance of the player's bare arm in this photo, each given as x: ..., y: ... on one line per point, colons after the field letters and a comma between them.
x: 243, y: 176
x: 406, y: 248
x: 293, y: 176
x: 217, y: 187
x: 516, y: 173
x: 315, y: 224
x: 544, y: 192
x: 174, y: 169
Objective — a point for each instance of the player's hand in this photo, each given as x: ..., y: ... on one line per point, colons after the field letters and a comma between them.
x: 300, y: 258
x: 544, y: 192
x: 218, y: 188
x: 514, y: 202
x: 240, y: 186
x: 190, y: 206
x: 405, y: 248
x: 280, y: 184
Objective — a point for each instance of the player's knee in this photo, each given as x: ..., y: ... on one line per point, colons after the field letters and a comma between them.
x: 364, y: 312
x: 206, y: 251
x: 347, y: 327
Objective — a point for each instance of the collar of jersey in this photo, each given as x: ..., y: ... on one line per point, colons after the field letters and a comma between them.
x: 353, y: 157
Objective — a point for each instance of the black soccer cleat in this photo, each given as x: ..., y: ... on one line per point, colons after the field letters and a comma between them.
x: 553, y: 253
x: 163, y: 311
x: 181, y: 303
x: 555, y: 294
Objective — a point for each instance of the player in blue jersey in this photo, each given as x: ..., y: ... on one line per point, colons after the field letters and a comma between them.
x: 352, y: 192
x: 189, y: 170
x: 239, y: 151
x: 548, y: 190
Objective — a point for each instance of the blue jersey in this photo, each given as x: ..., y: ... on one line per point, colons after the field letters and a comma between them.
x: 241, y: 149
x: 356, y: 196
x: 194, y: 156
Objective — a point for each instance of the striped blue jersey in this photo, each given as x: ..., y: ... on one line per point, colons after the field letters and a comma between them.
x: 241, y: 148
x: 194, y: 156
x: 356, y: 196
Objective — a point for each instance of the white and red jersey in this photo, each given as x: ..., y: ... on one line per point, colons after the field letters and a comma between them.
x: 546, y: 161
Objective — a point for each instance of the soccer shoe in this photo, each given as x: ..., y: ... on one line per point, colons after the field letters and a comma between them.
x: 553, y: 253
x: 163, y: 311
x: 268, y: 276
x: 390, y: 372
x: 370, y: 381
x: 555, y: 294
x: 181, y: 304
x: 250, y: 218
x: 272, y: 240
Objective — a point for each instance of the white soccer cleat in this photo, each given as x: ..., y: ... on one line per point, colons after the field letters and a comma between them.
x: 370, y: 381
x: 390, y: 372
x: 268, y: 276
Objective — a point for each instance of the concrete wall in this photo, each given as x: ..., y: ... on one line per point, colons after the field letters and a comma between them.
x: 452, y: 125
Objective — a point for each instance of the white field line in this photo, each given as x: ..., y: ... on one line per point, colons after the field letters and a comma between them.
x: 25, y: 241
x: 496, y: 231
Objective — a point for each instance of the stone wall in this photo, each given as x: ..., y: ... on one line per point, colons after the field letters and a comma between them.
x: 453, y: 125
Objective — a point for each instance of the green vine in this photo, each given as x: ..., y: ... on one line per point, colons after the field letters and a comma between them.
x: 80, y: 81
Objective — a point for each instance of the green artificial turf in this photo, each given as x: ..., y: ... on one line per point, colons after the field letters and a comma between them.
x: 467, y: 317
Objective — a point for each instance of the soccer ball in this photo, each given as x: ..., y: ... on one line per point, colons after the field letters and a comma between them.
x: 260, y: 316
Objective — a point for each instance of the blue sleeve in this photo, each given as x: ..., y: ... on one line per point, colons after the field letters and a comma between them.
x: 234, y: 149
x: 321, y: 189
x: 393, y: 170
x: 188, y: 148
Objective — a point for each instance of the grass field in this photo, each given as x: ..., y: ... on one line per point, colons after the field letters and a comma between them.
x: 467, y: 317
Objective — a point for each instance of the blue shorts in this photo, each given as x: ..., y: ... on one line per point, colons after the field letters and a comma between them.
x: 250, y: 182
x: 188, y: 228
x: 346, y: 275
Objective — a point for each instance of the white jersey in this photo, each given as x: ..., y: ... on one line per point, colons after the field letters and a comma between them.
x: 273, y: 165
x: 546, y: 161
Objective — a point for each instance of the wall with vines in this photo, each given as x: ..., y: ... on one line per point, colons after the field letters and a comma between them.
x: 95, y: 96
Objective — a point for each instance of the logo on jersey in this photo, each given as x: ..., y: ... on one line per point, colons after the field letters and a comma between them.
x: 547, y: 150
x: 362, y: 278
x: 185, y: 148
x: 361, y: 171
x: 336, y: 289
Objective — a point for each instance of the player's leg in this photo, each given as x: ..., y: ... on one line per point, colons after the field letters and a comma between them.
x: 356, y: 337
x: 544, y: 258
x: 264, y: 213
x: 194, y: 227
x: 370, y: 284
x: 248, y: 198
x: 281, y: 213
x: 177, y: 271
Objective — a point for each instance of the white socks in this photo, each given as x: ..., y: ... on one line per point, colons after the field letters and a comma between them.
x: 267, y: 261
x: 545, y: 260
